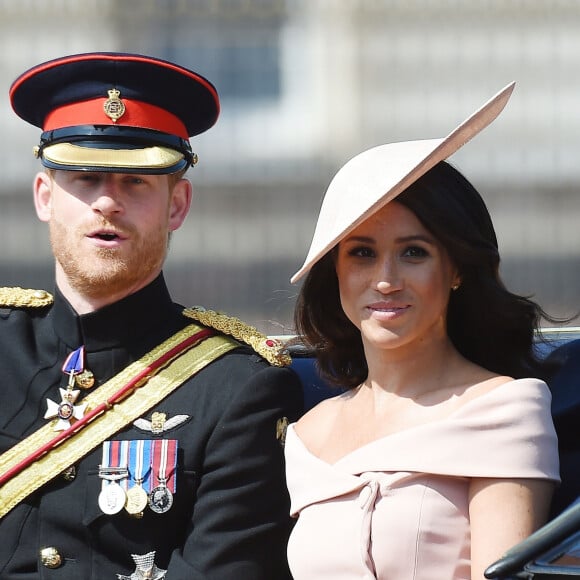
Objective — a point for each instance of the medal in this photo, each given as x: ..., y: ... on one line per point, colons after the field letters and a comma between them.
x: 164, y: 462
x: 112, y: 498
x: 85, y: 380
x: 113, y: 469
x: 137, y: 499
x: 139, y: 467
x: 160, y: 499
x: 145, y: 568
x: 66, y: 411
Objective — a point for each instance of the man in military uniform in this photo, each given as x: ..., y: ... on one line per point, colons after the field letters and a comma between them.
x: 138, y: 438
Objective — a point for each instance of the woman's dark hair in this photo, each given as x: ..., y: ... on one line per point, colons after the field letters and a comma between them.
x: 486, y: 323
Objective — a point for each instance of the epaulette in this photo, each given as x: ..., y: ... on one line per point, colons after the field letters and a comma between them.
x: 269, y: 348
x: 24, y: 298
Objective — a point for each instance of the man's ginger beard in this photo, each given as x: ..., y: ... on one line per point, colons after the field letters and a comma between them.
x: 100, y: 272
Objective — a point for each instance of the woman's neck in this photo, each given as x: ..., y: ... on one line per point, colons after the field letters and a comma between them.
x: 415, y: 369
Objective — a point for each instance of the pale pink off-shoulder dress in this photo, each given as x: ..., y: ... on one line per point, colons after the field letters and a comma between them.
x: 397, y: 508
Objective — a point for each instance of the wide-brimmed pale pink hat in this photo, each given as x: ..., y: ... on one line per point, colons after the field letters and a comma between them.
x: 375, y: 177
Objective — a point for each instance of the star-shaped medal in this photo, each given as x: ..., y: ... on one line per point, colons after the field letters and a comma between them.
x: 66, y: 410
x: 145, y: 569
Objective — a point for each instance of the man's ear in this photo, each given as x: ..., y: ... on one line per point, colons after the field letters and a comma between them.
x: 42, y: 188
x: 180, y: 203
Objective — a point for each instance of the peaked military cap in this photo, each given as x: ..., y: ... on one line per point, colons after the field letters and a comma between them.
x: 115, y: 112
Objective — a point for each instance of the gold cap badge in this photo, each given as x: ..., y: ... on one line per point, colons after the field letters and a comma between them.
x: 114, y: 107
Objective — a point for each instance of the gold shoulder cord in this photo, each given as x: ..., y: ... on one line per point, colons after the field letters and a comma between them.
x: 269, y: 348
x: 24, y: 298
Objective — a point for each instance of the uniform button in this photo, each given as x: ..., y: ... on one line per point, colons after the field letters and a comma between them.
x: 50, y: 557
x: 70, y: 473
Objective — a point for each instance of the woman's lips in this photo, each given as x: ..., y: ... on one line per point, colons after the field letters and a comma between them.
x: 387, y: 310
x: 387, y: 306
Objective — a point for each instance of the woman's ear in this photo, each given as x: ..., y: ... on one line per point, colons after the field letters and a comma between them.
x: 180, y: 203
x: 42, y: 188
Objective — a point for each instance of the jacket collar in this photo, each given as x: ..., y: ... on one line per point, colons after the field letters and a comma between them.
x: 122, y: 322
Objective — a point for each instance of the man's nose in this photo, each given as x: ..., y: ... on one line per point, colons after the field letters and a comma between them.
x: 107, y: 200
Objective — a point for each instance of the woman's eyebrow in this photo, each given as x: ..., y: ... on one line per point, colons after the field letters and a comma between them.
x: 416, y: 238
x: 360, y: 239
x: 402, y: 239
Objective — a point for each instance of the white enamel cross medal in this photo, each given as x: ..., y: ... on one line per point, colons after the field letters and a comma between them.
x: 66, y: 411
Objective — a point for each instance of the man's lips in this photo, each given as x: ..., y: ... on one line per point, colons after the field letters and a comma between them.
x: 107, y: 236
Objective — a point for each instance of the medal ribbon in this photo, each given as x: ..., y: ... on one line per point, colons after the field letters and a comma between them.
x: 75, y: 362
x: 105, y: 463
x: 164, y: 463
x: 120, y: 454
x: 140, y: 464
x: 114, y: 462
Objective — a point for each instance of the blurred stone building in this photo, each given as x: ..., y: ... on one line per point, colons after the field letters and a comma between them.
x: 305, y: 85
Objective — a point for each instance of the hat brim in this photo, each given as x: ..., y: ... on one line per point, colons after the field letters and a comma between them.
x: 375, y: 177
x: 73, y: 157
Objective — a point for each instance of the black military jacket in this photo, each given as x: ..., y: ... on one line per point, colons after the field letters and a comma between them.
x: 230, y: 517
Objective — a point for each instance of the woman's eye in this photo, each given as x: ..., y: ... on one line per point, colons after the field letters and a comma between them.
x: 361, y: 252
x: 415, y: 252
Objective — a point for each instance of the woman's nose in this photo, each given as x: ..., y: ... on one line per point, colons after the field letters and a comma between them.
x: 388, y: 278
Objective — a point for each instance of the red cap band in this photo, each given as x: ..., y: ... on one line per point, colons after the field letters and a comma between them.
x: 137, y: 114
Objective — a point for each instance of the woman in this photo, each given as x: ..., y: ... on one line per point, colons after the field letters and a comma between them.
x: 441, y: 454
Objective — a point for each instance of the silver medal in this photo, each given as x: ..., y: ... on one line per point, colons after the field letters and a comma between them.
x: 160, y: 499
x: 112, y: 498
x: 145, y: 568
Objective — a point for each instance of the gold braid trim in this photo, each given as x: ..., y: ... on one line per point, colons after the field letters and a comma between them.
x: 120, y: 414
x: 269, y: 348
x: 24, y: 298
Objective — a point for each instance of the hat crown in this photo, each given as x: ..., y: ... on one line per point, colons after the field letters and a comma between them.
x: 378, y: 175
x: 136, y: 101
x: 186, y: 94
